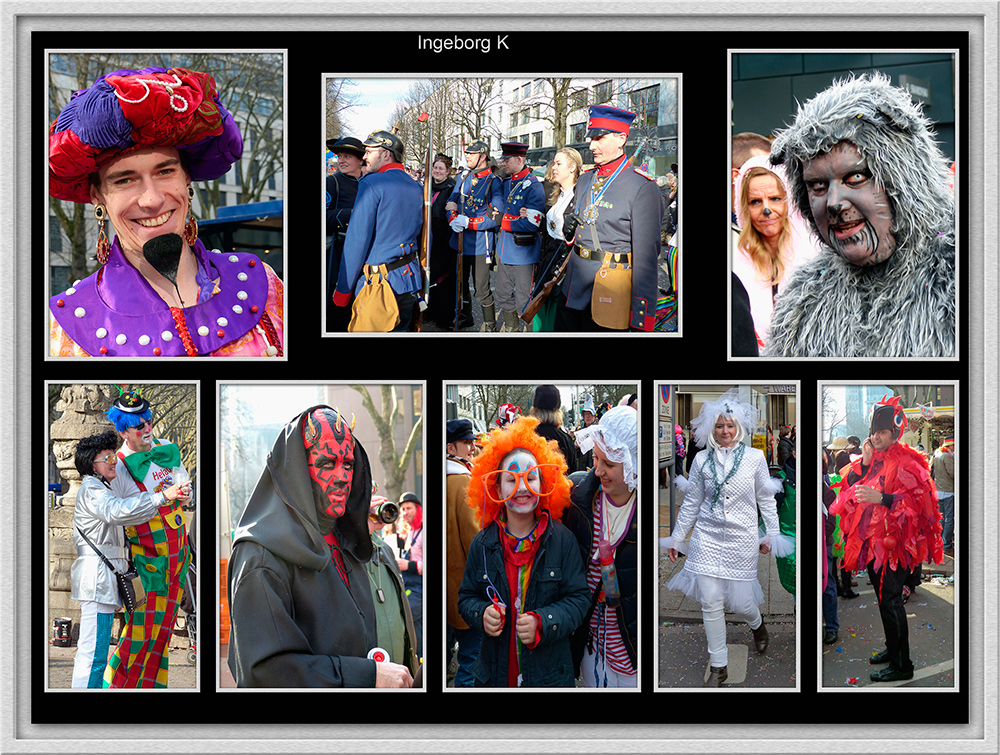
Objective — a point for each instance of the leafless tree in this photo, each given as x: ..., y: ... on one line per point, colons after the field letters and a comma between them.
x: 342, y: 98
x: 394, y: 461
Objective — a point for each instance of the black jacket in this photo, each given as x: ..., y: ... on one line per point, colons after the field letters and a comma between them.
x: 557, y: 591
x: 579, y: 518
x: 294, y: 621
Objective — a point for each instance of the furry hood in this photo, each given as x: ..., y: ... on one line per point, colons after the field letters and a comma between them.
x: 904, y: 306
x: 896, y: 139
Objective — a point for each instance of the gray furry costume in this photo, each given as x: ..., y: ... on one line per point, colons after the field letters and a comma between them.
x: 904, y: 306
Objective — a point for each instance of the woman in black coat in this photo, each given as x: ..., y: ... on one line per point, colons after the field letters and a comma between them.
x: 441, y: 307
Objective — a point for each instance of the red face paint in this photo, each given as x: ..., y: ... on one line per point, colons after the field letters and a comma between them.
x: 330, y: 457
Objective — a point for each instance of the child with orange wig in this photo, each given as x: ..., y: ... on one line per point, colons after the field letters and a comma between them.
x: 525, y: 583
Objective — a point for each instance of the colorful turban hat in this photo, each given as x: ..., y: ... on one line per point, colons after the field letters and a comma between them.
x: 127, y: 110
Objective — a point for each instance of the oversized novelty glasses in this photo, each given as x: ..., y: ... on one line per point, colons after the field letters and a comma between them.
x: 532, y: 477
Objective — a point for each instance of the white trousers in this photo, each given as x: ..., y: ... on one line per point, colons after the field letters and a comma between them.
x: 93, y: 646
x: 596, y: 677
x: 713, y: 611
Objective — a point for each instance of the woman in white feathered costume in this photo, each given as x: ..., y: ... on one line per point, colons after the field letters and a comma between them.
x: 727, y: 483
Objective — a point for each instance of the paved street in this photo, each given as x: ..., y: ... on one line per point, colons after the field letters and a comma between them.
x: 930, y: 616
x: 182, y: 674
x: 683, y: 652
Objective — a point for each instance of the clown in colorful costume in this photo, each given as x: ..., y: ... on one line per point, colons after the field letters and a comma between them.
x: 159, y: 546
x: 524, y: 586
x: 131, y: 145
x: 889, y: 516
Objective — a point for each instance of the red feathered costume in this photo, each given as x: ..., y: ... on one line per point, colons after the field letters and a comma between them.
x: 892, y: 536
x: 903, y: 535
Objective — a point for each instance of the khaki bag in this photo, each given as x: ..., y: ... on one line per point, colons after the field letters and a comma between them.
x: 611, y: 300
x: 375, y: 309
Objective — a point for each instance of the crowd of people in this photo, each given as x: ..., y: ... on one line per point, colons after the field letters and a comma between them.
x: 884, y: 509
x: 566, y: 249
x: 847, y: 213
x: 542, y: 549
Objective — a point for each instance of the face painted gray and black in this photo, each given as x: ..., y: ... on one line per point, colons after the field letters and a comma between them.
x: 852, y: 212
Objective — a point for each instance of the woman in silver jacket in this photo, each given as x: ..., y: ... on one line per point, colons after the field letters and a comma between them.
x: 728, y: 482
x: 101, y: 517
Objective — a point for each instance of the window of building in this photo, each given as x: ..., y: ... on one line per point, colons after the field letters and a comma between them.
x: 645, y: 103
x: 602, y: 92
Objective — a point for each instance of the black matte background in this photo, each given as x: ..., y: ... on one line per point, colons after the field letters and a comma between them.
x: 701, y: 59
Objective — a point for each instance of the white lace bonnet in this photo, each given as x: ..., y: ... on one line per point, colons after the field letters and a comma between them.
x: 727, y: 405
x: 618, y: 436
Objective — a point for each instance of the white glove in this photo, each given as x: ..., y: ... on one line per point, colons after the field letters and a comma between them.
x: 460, y: 223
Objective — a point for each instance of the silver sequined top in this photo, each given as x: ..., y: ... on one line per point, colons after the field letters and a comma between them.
x: 102, y: 516
x: 725, y: 539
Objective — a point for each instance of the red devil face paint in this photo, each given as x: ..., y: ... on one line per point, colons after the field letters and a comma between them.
x: 330, y: 457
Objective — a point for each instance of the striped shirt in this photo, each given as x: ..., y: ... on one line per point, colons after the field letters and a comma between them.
x: 604, y: 626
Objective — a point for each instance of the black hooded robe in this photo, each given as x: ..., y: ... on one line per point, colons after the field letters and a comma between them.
x: 294, y: 622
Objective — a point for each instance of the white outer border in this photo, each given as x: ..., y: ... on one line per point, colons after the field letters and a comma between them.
x: 166, y: 50
x: 44, y: 451
x: 972, y: 547
x: 959, y: 125
x: 798, y: 536
x: 640, y: 630
x: 215, y: 637
x: 979, y: 736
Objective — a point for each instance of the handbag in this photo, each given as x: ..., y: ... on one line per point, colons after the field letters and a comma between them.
x: 130, y: 590
x: 611, y: 300
x: 375, y: 309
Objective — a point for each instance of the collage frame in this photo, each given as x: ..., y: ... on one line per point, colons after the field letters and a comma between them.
x: 975, y: 376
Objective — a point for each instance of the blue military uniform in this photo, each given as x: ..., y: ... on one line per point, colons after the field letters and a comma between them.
x: 521, y: 190
x: 385, y: 229
x: 621, y: 211
x: 475, y: 194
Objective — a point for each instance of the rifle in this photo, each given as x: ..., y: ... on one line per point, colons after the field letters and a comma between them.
x: 425, y: 234
x: 461, y: 252
x: 542, y: 289
x: 545, y: 285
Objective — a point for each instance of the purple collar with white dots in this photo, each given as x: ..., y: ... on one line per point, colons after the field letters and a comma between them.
x: 115, y: 312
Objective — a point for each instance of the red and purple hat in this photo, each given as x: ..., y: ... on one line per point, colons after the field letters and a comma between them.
x: 514, y: 149
x: 126, y: 110
x: 605, y: 119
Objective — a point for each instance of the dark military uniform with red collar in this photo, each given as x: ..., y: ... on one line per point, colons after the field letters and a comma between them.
x: 629, y: 213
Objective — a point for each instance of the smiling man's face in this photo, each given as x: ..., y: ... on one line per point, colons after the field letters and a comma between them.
x: 852, y: 211
x: 146, y: 195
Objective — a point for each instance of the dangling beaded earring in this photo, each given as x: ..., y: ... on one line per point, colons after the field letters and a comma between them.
x: 191, y: 227
x: 103, y: 247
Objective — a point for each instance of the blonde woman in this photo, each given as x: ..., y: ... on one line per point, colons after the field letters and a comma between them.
x: 560, y: 179
x: 773, y: 240
x: 728, y: 484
